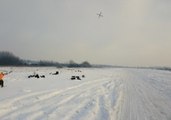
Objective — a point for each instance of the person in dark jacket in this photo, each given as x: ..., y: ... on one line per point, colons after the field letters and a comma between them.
x: 1, y: 79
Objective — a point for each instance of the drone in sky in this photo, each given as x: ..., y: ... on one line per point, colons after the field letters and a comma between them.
x: 100, y: 15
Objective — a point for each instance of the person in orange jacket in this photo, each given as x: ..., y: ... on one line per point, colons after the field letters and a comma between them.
x: 1, y: 79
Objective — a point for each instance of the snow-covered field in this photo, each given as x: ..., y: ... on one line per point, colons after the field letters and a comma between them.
x: 103, y: 94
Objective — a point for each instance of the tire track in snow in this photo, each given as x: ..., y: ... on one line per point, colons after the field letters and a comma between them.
x: 45, y: 105
x: 142, y: 100
x: 38, y: 96
x: 128, y: 94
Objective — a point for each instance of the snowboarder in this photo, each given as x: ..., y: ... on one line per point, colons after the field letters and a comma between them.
x: 1, y: 79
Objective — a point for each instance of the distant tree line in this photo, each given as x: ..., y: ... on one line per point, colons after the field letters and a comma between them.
x: 83, y: 64
x: 9, y: 59
x: 163, y: 68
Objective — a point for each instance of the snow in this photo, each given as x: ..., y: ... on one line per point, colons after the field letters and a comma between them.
x: 104, y: 94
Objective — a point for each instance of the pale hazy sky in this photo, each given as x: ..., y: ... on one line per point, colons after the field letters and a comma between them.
x: 132, y: 32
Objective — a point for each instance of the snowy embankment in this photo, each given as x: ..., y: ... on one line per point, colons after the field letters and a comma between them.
x: 104, y: 94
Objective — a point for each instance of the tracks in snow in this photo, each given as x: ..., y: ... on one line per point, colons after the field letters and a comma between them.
x: 127, y: 94
x: 143, y: 100
x: 94, y: 100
